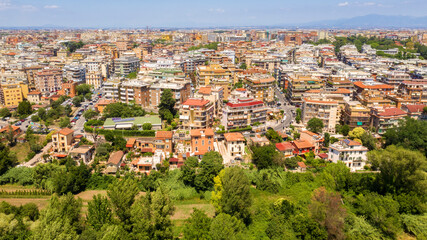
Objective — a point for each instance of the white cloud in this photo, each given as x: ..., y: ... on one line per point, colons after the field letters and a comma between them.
x: 369, y: 4
x: 343, y: 4
x: 5, y: 4
x: 51, y: 6
x: 28, y: 8
x: 217, y: 10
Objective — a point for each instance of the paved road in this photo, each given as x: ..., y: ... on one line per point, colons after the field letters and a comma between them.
x: 287, y: 108
x: 78, y: 129
x: 38, y: 157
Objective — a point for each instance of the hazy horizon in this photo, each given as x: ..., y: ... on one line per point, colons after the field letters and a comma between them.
x: 193, y: 14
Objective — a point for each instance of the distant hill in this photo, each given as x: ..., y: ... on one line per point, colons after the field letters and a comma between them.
x: 370, y: 21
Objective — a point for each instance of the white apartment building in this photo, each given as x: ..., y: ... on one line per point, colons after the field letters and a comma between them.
x: 350, y: 152
x: 74, y: 72
x: 126, y: 64
x: 324, y: 109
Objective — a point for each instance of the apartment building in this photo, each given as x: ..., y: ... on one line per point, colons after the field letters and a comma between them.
x: 261, y: 87
x: 385, y: 118
x: 242, y: 113
x: 202, y: 141
x: 13, y: 93
x: 298, y: 84
x: 135, y: 91
x: 213, y: 94
x: 235, y: 144
x: 415, y: 90
x: 323, y: 109
x: 164, y: 142
x: 350, y: 152
x: 181, y: 91
x: 34, y: 97
x: 206, y: 74
x: 126, y: 64
x: 111, y: 88
x: 196, y: 113
x: 395, y: 78
x: 48, y: 80
x: 97, y: 69
x: 356, y: 115
x: 373, y: 94
x: 62, y: 140
x: 74, y: 73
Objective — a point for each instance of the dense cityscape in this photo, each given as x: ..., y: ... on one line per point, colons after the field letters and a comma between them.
x: 213, y: 134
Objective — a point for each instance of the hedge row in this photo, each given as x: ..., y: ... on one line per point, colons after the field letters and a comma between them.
x: 128, y: 133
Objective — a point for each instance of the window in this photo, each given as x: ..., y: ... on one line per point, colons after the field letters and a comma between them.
x: 209, y: 142
x: 197, y: 149
x: 209, y: 148
x: 203, y: 142
x: 197, y: 142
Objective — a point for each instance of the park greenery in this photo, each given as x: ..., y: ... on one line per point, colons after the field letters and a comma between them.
x: 263, y: 203
x: 213, y: 46
x: 72, y: 46
x: 407, y: 48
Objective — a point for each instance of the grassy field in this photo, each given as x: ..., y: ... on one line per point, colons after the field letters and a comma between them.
x: 22, y: 149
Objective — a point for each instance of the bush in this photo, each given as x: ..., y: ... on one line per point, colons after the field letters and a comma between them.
x: 20, y: 175
x: 416, y: 224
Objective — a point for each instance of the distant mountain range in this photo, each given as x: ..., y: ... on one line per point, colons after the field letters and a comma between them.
x: 371, y: 21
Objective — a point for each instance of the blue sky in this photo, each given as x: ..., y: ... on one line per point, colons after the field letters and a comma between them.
x: 191, y: 13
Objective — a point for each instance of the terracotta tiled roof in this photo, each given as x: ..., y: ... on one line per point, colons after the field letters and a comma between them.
x: 380, y: 86
x: 196, y: 102
x: 245, y: 104
x: 205, y: 90
x: 342, y: 91
x: 283, y: 146
x: 115, y: 157
x: 416, y: 108
x: 234, y: 136
x: 392, y: 112
x: 351, y: 142
x: 131, y: 142
x: 66, y: 131
x: 301, y: 165
x: 198, y: 132
x: 300, y: 144
x: 323, y: 155
x: 164, y: 134
x: 34, y: 93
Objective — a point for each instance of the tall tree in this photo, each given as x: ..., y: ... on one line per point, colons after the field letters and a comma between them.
x: 315, y: 125
x: 7, y: 159
x: 60, y: 220
x: 24, y: 108
x: 4, y: 112
x: 99, y: 212
x: 327, y: 209
x: 226, y: 227
x: 410, y: 133
x: 401, y: 170
x: 197, y: 226
x: 167, y: 104
x: 209, y: 167
x: 122, y: 195
x: 263, y: 156
x: 235, y: 196
x: 163, y: 209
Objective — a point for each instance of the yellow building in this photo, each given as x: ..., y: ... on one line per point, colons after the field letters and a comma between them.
x: 13, y: 94
x: 261, y: 87
x: 62, y: 141
x: 208, y: 74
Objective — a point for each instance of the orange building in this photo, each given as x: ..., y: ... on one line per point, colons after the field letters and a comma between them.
x: 202, y: 141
